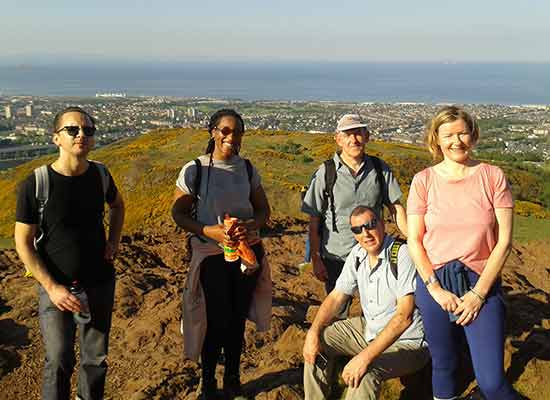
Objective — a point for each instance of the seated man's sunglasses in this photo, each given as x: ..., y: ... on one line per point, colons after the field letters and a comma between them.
x: 74, y: 130
x: 367, y: 225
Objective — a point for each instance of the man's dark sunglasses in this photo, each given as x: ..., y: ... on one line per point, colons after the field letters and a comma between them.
x: 74, y: 130
x: 367, y: 225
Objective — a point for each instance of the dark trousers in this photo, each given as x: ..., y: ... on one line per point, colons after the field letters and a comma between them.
x: 58, y: 334
x: 228, y: 293
x: 485, y: 337
x: 334, y: 269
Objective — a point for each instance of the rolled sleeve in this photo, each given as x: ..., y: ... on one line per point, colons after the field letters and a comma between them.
x: 313, y: 199
x: 27, y: 206
x: 347, y: 281
x: 502, y: 197
x: 112, y: 190
x: 393, y: 194
x: 186, y: 178
x: 417, y: 200
x: 255, y: 180
x: 406, y: 282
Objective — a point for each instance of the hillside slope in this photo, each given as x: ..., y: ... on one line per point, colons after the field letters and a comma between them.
x: 146, y: 346
x: 146, y: 358
x: 145, y: 169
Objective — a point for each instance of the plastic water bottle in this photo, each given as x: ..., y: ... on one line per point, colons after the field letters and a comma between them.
x: 83, y: 316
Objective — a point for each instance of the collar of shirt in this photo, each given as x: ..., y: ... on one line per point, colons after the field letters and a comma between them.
x: 362, y: 255
x: 339, y: 163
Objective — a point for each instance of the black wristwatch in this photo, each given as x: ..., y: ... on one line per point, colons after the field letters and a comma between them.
x: 431, y: 279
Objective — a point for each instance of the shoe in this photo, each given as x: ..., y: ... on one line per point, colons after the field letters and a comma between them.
x: 232, y: 389
x: 304, y: 267
x: 208, y: 390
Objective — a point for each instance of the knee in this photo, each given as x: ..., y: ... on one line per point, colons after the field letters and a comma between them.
x: 444, y: 363
x: 494, y: 387
x: 96, y: 360
x: 368, y: 389
x: 60, y: 358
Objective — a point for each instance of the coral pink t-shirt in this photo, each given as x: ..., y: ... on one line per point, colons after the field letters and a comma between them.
x: 459, y: 214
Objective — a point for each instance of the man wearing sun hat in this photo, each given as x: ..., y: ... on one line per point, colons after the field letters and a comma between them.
x: 339, y: 185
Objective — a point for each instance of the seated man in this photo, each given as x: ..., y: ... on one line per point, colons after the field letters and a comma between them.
x: 388, y: 340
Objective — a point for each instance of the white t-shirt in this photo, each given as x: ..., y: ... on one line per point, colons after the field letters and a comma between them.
x: 225, y: 188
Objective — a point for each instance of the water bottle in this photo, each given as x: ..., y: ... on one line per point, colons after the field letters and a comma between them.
x: 83, y: 316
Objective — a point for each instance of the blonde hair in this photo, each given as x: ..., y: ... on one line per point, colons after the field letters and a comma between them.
x: 445, y: 115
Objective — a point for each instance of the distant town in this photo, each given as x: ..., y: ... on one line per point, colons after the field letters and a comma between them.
x: 521, y: 132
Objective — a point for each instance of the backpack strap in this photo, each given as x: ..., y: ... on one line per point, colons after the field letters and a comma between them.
x: 197, y: 187
x: 394, y: 251
x: 328, y: 193
x: 42, y: 191
x: 249, y: 169
x: 381, y: 181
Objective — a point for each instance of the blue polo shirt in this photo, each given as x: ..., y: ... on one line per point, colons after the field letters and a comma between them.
x: 349, y: 192
x: 378, y: 288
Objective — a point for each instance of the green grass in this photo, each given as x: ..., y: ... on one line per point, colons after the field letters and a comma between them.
x: 7, y: 243
x: 528, y: 229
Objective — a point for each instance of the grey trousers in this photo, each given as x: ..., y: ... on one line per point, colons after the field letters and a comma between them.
x: 346, y: 337
x: 58, y: 333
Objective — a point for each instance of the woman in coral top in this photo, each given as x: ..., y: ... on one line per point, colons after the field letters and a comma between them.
x: 460, y: 233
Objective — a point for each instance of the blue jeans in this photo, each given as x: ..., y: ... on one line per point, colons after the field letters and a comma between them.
x: 485, y: 337
x: 58, y: 333
x: 307, y: 256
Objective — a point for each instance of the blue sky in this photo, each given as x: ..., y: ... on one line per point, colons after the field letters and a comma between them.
x: 274, y: 31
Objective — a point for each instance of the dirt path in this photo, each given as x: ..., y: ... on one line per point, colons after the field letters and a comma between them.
x: 145, y: 358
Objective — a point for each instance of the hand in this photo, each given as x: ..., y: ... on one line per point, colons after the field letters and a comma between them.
x: 111, y: 250
x: 354, y: 370
x: 63, y: 298
x: 319, y: 269
x: 252, y: 230
x: 214, y: 232
x: 468, y: 309
x: 312, y: 346
x: 447, y: 300
x: 239, y: 234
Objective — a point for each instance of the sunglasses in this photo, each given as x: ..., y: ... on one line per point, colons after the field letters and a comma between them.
x: 367, y: 225
x: 226, y: 131
x: 74, y: 130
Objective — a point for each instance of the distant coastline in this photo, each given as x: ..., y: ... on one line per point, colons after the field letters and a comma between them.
x: 467, y: 83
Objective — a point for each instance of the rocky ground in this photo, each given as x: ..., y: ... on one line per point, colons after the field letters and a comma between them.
x: 146, y: 346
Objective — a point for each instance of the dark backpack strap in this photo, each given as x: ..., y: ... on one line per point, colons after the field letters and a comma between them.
x: 328, y: 193
x: 249, y: 169
x: 394, y: 251
x: 381, y: 181
x: 197, y: 188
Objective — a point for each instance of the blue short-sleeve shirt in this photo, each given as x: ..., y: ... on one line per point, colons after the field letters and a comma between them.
x: 349, y: 192
x: 378, y: 289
